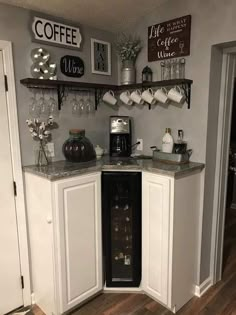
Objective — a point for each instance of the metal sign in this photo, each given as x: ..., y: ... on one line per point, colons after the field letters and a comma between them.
x: 72, y: 66
x: 169, y: 39
x: 55, y: 33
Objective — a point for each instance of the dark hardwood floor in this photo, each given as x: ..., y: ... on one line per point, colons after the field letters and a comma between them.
x: 218, y: 300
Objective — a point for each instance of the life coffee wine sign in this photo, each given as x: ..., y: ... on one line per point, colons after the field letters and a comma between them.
x: 169, y: 39
x: 55, y: 33
x: 72, y: 66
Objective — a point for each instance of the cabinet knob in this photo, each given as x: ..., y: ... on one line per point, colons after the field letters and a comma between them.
x: 49, y: 220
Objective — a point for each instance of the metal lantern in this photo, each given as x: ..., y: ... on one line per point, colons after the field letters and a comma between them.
x: 147, y: 74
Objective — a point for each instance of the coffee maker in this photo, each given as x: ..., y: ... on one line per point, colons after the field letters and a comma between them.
x: 120, y: 136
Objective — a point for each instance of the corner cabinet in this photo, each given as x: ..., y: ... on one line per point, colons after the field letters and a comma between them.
x: 170, y: 234
x: 65, y: 240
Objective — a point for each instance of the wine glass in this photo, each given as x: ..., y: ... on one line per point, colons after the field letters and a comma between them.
x: 75, y: 106
x: 53, y: 107
x: 89, y: 105
x: 44, y: 106
x: 34, y: 108
x: 82, y: 105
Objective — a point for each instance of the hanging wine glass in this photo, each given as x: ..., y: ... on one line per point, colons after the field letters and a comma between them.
x: 75, y: 106
x: 82, y: 106
x: 44, y: 106
x: 89, y: 105
x: 53, y: 107
x: 34, y: 108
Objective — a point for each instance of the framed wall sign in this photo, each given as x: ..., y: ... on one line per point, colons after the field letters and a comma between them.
x: 72, y: 66
x: 169, y: 39
x: 55, y: 33
x: 100, y: 57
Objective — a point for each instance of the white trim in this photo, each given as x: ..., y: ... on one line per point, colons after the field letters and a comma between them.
x: 93, y: 40
x: 223, y: 139
x: 6, y: 48
x: 203, y: 287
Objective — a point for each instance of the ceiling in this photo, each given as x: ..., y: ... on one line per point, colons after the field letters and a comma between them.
x: 112, y: 15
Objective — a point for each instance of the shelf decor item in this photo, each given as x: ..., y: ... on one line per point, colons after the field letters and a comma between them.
x: 128, y: 48
x: 100, y: 57
x: 147, y: 74
x: 41, y: 67
x: 78, y: 148
x: 41, y: 132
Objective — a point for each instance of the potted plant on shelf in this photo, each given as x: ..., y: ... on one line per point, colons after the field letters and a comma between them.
x: 128, y: 48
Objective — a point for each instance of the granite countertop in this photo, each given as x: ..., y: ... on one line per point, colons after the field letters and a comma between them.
x: 62, y: 169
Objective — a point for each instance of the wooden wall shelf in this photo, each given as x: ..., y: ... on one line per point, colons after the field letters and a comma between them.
x: 99, y: 89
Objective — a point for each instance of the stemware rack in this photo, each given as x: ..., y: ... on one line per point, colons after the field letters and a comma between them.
x: 99, y: 89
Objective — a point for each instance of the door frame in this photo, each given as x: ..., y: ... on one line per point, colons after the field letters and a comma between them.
x: 6, y: 48
x: 223, y: 144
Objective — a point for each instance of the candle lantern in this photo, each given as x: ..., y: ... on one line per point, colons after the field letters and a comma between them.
x: 147, y: 74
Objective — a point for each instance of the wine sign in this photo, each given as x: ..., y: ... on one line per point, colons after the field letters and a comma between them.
x: 72, y: 66
x: 169, y: 39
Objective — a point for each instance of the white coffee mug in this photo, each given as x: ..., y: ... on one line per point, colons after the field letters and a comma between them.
x: 161, y: 95
x: 125, y: 98
x: 109, y: 97
x: 148, y: 96
x: 175, y: 94
x: 136, y: 97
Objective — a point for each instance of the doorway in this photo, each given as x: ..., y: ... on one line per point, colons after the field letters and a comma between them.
x: 14, y: 261
x: 223, y: 177
x: 229, y: 247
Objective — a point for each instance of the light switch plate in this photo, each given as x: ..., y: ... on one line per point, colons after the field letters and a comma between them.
x: 50, y: 149
x: 140, y: 145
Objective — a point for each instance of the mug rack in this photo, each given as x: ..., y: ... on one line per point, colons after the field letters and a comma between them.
x: 99, y: 89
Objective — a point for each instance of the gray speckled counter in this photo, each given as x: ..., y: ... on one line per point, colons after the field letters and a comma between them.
x: 62, y: 169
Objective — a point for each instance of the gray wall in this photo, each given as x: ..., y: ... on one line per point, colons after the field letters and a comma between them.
x: 14, y: 27
x: 213, y: 22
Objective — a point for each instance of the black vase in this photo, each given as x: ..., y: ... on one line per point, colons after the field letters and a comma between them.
x: 78, y: 148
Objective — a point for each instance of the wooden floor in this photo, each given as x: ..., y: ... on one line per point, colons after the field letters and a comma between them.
x: 219, y: 300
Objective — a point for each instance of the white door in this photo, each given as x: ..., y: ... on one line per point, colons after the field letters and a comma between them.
x: 10, y: 273
x: 80, y: 250
x: 155, y: 236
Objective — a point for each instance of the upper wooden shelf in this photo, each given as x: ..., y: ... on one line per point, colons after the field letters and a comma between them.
x: 61, y: 85
x: 38, y: 83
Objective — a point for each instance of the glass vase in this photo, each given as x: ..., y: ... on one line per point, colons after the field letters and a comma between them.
x: 41, y: 158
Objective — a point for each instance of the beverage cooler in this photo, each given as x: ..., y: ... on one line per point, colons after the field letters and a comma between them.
x: 121, y: 204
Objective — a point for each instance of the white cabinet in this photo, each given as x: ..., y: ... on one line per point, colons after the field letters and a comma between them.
x: 65, y: 239
x: 170, y: 217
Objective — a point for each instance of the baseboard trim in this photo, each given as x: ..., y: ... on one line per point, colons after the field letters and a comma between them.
x: 203, y: 287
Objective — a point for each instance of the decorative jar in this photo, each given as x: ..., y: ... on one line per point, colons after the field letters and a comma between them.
x: 128, y: 72
x: 78, y: 148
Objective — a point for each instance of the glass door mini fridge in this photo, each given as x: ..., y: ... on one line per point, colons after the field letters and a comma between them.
x: 121, y: 204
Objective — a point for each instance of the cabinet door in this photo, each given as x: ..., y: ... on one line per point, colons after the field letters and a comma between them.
x: 79, y: 252
x: 155, y: 236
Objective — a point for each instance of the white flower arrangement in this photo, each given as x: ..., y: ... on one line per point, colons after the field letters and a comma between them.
x: 128, y: 47
x: 40, y: 130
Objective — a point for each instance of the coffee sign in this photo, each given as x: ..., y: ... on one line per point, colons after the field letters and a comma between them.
x: 169, y: 39
x: 72, y: 66
x: 55, y: 33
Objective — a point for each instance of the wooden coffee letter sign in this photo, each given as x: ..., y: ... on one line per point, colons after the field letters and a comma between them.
x: 169, y: 39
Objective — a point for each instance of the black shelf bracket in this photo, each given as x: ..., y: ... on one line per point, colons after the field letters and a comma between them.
x: 187, y: 92
x: 97, y: 97
x: 60, y: 95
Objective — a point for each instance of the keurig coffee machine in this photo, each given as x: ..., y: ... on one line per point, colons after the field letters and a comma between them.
x: 120, y: 136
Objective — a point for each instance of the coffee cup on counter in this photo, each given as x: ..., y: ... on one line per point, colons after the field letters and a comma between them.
x: 136, y: 97
x: 175, y: 94
x: 148, y: 96
x: 125, y: 98
x: 109, y: 97
x: 161, y: 95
